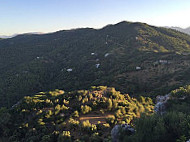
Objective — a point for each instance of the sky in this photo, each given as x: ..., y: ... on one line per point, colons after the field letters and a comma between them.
x: 24, y: 16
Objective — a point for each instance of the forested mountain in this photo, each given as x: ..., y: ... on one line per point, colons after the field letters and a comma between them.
x: 134, y: 58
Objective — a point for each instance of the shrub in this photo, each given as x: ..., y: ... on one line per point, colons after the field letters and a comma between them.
x: 109, y: 104
x: 65, y: 136
x: 85, y: 109
x: 40, y: 122
x: 87, y: 126
x: 181, y: 92
x: 85, y: 100
x: 46, y: 138
x: 75, y: 114
x: 96, y: 138
x: 106, y: 125
x: 110, y: 119
x: 73, y: 123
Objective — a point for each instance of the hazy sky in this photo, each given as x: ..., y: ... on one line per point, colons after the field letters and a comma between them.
x: 21, y: 16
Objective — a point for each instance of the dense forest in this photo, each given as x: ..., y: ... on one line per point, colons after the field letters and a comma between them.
x: 135, y: 58
x: 90, y: 115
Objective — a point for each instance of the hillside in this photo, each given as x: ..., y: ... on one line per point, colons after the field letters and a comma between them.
x: 90, y: 115
x: 83, y: 115
x: 134, y: 58
x: 172, y: 126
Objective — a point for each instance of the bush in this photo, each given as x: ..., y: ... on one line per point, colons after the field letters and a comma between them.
x: 85, y: 109
x: 46, y: 138
x: 110, y: 119
x: 87, y: 126
x: 73, y: 123
x: 75, y: 114
x: 65, y: 136
x: 96, y: 138
x: 181, y: 92
x: 109, y: 104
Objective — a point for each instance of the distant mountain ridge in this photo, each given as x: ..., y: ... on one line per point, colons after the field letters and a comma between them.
x: 135, y: 58
x: 11, y: 36
x: 186, y: 30
x: 4, y: 36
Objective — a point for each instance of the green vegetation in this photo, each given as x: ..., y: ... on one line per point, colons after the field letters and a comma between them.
x: 173, y: 126
x: 84, y: 115
x: 34, y: 63
x: 170, y: 127
x: 90, y: 115
x: 134, y: 58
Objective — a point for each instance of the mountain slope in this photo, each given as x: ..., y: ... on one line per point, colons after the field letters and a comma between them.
x: 133, y: 57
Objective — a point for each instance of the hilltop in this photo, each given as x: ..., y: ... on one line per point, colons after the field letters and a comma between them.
x: 90, y: 115
x: 85, y: 115
x: 134, y: 58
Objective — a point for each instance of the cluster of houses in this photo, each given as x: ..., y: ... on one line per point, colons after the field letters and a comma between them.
x: 97, y: 65
x: 92, y: 54
x: 162, y: 62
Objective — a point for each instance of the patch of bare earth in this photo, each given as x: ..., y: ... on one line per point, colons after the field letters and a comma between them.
x: 95, y: 118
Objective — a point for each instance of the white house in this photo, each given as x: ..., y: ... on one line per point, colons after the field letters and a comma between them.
x: 97, y: 66
x: 69, y: 70
x: 107, y: 54
x: 138, y: 68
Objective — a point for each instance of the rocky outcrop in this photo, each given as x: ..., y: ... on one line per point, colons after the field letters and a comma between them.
x: 161, y: 103
x: 15, y: 105
x: 119, y: 130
